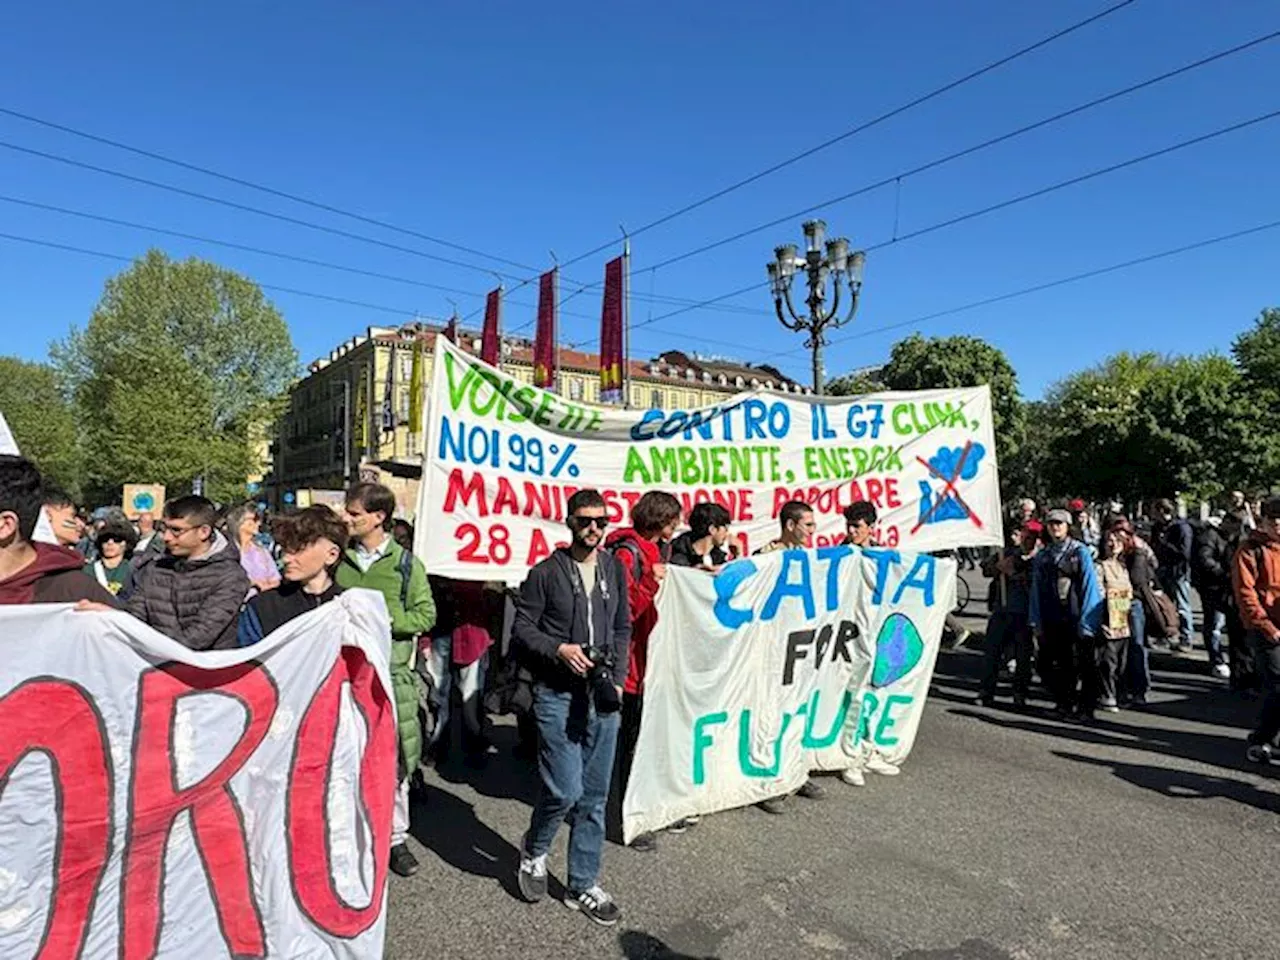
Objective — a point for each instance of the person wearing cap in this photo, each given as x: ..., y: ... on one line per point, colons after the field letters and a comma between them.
x: 1255, y: 576
x: 1008, y: 625
x: 1064, y: 611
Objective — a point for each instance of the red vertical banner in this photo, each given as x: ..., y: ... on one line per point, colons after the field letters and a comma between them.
x: 544, y: 341
x: 490, y: 339
x: 611, y: 352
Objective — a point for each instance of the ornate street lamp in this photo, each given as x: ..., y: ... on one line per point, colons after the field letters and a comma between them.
x: 838, y: 264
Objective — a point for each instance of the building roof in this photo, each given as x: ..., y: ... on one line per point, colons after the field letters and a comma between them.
x: 672, y: 366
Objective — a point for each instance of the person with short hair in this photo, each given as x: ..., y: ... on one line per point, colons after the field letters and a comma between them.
x: 706, y: 543
x: 376, y: 562
x: 312, y: 541
x: 36, y: 572
x: 115, y: 543
x: 194, y: 590
x: 1064, y: 610
x: 1172, y: 539
x: 402, y: 533
x: 148, y: 536
x: 1256, y: 580
x: 797, y: 527
x: 572, y: 629
x: 64, y: 518
x: 654, y: 519
x: 860, y: 524
x: 1008, y: 626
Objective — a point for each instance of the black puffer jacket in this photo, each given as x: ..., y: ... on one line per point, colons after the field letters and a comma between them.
x: 196, y: 602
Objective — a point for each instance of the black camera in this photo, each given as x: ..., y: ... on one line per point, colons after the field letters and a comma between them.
x: 600, y: 681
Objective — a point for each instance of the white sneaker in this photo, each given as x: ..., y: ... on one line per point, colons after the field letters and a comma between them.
x: 1222, y: 671
x: 878, y: 764
x: 854, y: 777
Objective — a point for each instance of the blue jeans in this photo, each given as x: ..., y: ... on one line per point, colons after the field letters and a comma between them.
x: 1214, y: 621
x: 1138, y: 671
x: 1179, y: 591
x: 470, y: 680
x: 575, y: 764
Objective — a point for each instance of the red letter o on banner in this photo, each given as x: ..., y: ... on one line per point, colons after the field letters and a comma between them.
x: 310, y: 858
x: 60, y: 719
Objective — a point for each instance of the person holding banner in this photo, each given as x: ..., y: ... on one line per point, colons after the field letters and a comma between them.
x: 312, y: 541
x: 654, y: 518
x: 377, y: 562
x: 860, y: 524
x: 572, y: 630
x: 36, y: 572
x: 798, y: 527
x: 705, y: 545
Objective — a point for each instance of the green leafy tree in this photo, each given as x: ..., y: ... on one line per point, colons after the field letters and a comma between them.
x: 177, y: 362
x: 41, y: 419
x: 1257, y: 355
x: 855, y: 384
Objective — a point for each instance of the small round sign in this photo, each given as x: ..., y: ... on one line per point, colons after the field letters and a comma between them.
x: 144, y: 501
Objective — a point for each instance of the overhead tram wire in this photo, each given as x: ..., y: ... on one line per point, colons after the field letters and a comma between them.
x: 866, y: 125
x: 977, y: 147
x: 1002, y: 205
x: 1049, y: 285
x: 261, y: 251
x: 272, y: 191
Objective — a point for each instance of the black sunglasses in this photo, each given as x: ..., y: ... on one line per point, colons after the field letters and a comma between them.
x: 581, y: 523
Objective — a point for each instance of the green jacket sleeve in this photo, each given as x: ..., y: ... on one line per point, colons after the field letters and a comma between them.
x: 418, y: 616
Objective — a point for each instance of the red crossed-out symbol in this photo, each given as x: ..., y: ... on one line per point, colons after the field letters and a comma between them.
x: 949, y: 490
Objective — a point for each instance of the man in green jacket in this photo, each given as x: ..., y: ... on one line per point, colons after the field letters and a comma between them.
x: 376, y: 562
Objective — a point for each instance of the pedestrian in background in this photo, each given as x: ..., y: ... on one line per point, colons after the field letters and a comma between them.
x: 112, y: 569
x: 1211, y: 564
x: 1256, y: 579
x: 1115, y: 628
x: 1172, y: 540
x: 1065, y: 605
x: 243, y: 527
x: 1140, y: 562
x: 1009, y: 624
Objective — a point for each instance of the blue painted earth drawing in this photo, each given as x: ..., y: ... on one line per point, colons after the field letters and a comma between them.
x: 144, y: 501
x: 898, y: 649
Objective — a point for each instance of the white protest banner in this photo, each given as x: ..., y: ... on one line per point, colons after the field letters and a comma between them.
x: 156, y: 802
x: 503, y: 458
x: 782, y: 664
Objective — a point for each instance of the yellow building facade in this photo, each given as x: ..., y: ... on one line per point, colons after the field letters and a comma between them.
x: 337, y: 427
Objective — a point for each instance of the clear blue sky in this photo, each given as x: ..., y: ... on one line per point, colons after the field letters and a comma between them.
x: 520, y: 128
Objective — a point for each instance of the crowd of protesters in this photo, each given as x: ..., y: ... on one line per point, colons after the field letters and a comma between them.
x: 1074, y: 599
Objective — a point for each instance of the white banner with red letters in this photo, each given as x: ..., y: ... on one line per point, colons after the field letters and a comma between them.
x: 503, y: 458
x: 156, y: 802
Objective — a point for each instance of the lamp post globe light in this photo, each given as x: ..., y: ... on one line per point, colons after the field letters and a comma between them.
x: 838, y: 265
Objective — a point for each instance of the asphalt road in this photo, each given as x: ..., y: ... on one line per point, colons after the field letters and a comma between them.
x: 1007, y: 837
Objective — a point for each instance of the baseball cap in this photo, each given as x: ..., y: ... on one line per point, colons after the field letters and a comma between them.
x: 1076, y: 505
x: 1058, y: 516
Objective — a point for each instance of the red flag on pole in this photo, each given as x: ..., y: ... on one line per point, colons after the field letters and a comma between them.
x: 451, y: 330
x: 544, y: 340
x: 611, y: 355
x: 490, y: 349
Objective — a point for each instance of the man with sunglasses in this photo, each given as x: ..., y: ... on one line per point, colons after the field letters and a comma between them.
x: 194, y: 590
x: 572, y: 617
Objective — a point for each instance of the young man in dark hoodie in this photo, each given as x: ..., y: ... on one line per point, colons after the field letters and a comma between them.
x: 705, y: 544
x: 572, y: 619
x: 36, y: 572
x: 654, y: 518
x: 311, y: 541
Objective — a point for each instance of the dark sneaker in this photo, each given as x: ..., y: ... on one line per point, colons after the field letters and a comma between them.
x: 596, y: 904
x: 532, y: 877
x: 985, y: 700
x: 774, y: 805
x: 811, y: 791
x: 1019, y: 701
x: 403, y: 863
x: 1259, y: 753
x: 645, y: 843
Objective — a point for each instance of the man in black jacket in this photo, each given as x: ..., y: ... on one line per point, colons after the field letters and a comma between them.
x: 1172, y: 539
x: 572, y: 630
x: 194, y: 590
x: 1211, y: 576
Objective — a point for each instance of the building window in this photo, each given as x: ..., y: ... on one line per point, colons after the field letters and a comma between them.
x: 655, y: 400
x: 404, y: 406
x: 575, y: 388
x: 406, y: 366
